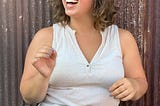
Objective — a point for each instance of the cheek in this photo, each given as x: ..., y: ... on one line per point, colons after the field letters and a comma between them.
x: 87, y: 4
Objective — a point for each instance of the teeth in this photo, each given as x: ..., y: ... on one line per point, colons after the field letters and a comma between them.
x: 69, y: 0
x: 74, y: 1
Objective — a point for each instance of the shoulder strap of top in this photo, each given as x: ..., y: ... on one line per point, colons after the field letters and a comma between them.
x: 117, y: 38
x: 57, y: 30
x: 113, y: 38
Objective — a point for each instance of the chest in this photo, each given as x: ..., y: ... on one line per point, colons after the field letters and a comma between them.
x: 85, y: 61
x: 72, y: 70
x: 88, y: 45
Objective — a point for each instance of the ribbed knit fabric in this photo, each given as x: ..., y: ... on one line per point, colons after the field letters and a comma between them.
x: 75, y: 81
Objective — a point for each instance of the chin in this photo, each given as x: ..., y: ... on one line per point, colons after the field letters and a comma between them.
x: 70, y: 14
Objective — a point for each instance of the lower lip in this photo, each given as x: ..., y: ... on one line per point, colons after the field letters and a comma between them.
x: 70, y: 5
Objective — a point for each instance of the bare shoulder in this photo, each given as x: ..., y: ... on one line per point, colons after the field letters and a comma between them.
x: 127, y: 41
x: 45, y: 30
x: 41, y: 38
x: 125, y: 35
x: 131, y: 57
x: 44, y: 35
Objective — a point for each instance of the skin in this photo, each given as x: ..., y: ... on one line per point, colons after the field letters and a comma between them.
x: 134, y: 84
x: 41, y: 58
x: 39, y: 63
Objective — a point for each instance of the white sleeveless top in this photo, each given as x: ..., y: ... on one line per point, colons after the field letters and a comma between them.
x: 74, y: 81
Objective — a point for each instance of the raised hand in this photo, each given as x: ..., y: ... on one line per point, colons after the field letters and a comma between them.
x: 45, y: 60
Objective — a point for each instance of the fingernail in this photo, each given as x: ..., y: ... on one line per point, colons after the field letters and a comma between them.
x: 36, y: 59
x: 52, y: 50
x: 47, y: 55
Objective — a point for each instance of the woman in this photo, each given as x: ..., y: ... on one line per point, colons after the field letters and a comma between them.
x: 83, y: 60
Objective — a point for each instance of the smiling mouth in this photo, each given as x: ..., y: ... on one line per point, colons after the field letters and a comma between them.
x: 71, y: 1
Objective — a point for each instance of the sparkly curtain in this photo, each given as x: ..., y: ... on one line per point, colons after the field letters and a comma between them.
x: 19, y: 21
x: 131, y: 17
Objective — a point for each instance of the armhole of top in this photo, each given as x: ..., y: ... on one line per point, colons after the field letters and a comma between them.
x: 54, y: 36
x: 118, y: 40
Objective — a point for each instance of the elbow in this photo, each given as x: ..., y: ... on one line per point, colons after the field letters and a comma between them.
x: 29, y: 98
x: 30, y: 101
x: 145, y: 88
x: 142, y: 90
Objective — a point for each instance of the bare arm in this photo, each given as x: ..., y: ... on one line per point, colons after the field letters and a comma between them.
x: 134, y: 85
x: 39, y: 63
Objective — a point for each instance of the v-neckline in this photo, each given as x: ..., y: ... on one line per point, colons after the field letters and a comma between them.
x: 96, y: 54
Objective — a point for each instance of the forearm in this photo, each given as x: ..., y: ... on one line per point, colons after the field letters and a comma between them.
x: 33, y: 90
x: 140, y: 86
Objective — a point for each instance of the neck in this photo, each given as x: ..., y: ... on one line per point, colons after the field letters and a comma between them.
x: 82, y: 25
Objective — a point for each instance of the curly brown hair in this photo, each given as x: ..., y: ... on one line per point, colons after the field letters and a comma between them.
x: 103, y: 12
